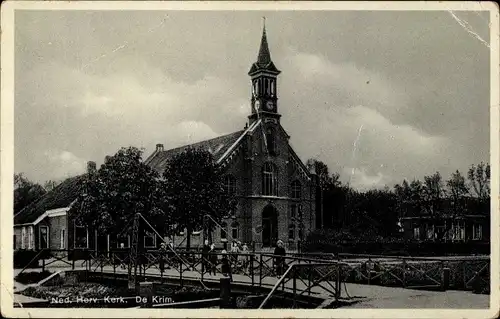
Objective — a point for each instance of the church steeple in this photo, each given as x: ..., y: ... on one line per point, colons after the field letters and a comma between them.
x: 264, y: 55
x: 264, y: 76
x: 264, y: 61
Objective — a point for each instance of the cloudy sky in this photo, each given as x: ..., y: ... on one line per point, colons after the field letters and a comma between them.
x: 378, y: 96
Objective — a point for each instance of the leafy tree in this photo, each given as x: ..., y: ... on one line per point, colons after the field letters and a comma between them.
x: 433, y: 193
x: 50, y: 185
x: 479, y: 179
x: 122, y: 187
x: 458, y: 190
x: 25, y: 192
x: 195, y: 185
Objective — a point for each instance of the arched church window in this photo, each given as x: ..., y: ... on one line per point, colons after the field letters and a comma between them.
x: 269, y: 180
x: 291, y: 231
x: 272, y: 88
x: 296, y: 190
x: 229, y: 185
x: 235, y: 230
x: 271, y: 141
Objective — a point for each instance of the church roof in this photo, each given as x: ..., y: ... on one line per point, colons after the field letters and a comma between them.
x: 60, y: 197
x: 220, y: 147
x: 264, y: 62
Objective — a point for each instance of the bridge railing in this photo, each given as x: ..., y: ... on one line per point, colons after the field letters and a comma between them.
x: 465, y: 273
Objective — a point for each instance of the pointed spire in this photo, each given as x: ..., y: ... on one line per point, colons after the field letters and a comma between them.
x: 264, y: 54
x: 264, y: 61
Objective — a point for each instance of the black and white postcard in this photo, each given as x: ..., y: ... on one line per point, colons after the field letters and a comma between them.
x: 250, y: 159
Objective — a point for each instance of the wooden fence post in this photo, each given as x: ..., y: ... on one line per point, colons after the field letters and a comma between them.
x: 251, y: 269
x: 404, y: 273
x: 445, y: 280
x: 225, y: 293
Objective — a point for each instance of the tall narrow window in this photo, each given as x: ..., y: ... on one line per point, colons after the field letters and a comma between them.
x: 30, y: 237
x: 81, y: 238
x: 477, y: 232
x: 296, y: 190
x: 23, y: 238
x: 291, y: 231
x: 235, y: 230
x: 229, y: 185
x: 293, y: 212
x: 271, y: 141
x: 44, y: 237
x: 269, y: 180
x: 416, y: 233
x: 63, y: 239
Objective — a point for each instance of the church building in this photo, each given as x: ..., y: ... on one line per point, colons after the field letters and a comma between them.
x: 276, y: 192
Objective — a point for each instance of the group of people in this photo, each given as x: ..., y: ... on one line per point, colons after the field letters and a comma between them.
x: 237, y: 258
x: 234, y: 259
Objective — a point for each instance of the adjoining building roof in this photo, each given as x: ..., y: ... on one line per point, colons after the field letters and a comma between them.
x: 217, y: 146
x: 61, y: 196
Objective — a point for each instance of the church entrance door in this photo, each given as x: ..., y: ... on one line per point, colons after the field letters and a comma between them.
x: 269, y: 226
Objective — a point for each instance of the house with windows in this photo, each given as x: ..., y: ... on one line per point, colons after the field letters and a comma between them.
x: 276, y: 192
x: 43, y: 224
x: 468, y: 221
x: 47, y: 223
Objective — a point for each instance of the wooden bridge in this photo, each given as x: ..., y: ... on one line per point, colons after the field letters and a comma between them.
x: 330, y: 277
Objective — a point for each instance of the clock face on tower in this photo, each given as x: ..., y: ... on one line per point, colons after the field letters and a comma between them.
x: 269, y: 105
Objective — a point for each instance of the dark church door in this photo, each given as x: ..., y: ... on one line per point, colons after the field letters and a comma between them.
x: 269, y: 226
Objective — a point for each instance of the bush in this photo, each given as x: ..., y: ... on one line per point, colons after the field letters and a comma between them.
x: 32, y: 277
x: 344, y: 241
x: 24, y: 257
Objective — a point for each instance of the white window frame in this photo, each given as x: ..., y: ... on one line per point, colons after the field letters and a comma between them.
x: 74, y: 236
x: 30, y: 237
x: 230, y: 185
x: 40, y: 236
x: 154, y: 240
x: 62, y: 240
x: 296, y: 189
x: 23, y: 238
x: 269, y: 179
x: 416, y: 233
x: 118, y: 242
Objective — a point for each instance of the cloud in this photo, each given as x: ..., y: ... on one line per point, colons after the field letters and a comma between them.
x: 361, y: 179
x: 386, y: 151
x: 65, y: 164
x: 351, y: 84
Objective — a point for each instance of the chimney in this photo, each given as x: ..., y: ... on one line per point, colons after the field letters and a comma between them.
x: 91, y: 167
x: 159, y: 147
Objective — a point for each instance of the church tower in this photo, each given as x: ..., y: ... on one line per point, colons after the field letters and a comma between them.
x: 264, y: 75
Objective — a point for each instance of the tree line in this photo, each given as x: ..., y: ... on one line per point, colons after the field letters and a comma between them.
x: 378, y: 211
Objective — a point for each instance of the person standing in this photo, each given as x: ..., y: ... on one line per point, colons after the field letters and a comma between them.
x: 204, y: 255
x: 226, y: 267
x: 212, y: 260
x: 280, y: 254
x: 244, y: 250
